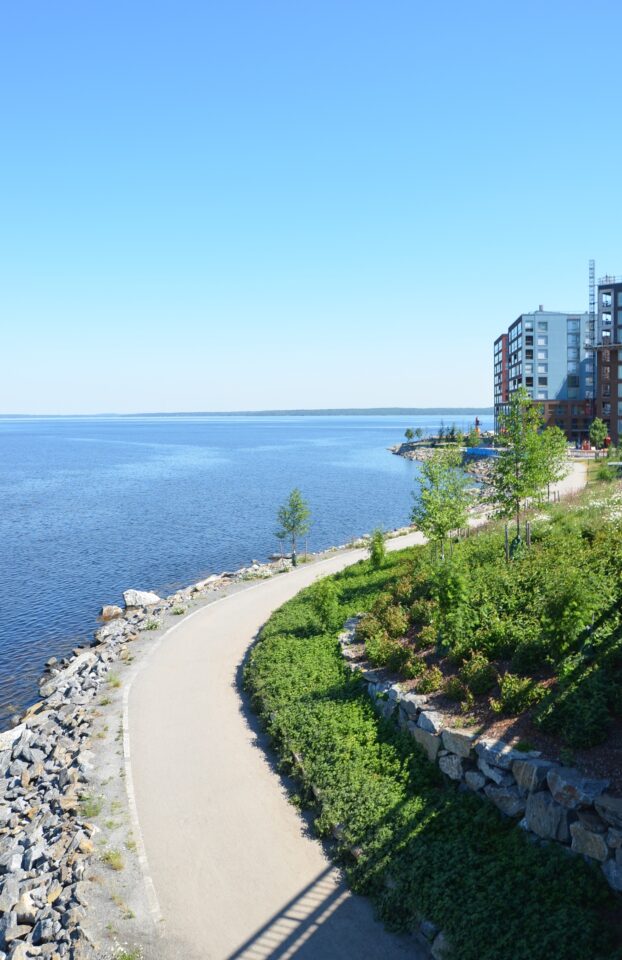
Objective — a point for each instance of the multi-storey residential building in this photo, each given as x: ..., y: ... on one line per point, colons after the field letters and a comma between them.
x: 609, y: 355
x: 548, y: 354
x: 501, y: 373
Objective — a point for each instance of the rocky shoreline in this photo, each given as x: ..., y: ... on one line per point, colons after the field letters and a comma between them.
x: 48, y: 837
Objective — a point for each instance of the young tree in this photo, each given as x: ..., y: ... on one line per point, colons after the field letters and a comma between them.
x: 598, y: 432
x: 520, y: 469
x: 419, y: 433
x: 442, y: 500
x: 293, y: 519
x: 554, y: 456
x: 473, y: 438
x: 409, y: 434
x: 377, y: 548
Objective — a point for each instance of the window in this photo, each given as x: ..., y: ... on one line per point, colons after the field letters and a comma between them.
x: 529, y: 341
x: 573, y: 339
x: 573, y: 368
x: 528, y: 324
x: 529, y: 381
x: 606, y: 356
x: 529, y: 368
x: 542, y: 395
x: 606, y: 319
x: 574, y: 325
x: 543, y: 368
x: 606, y: 371
x: 543, y: 325
x: 573, y: 380
x: 543, y: 381
x: 620, y: 371
x: 573, y: 393
x: 543, y: 354
x: 573, y: 353
x: 606, y: 390
x: 605, y: 299
x: 528, y: 354
x: 543, y: 341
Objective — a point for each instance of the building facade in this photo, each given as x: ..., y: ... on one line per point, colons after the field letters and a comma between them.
x: 549, y: 354
x: 609, y: 356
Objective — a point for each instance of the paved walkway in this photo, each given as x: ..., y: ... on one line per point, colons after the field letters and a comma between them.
x: 235, y: 873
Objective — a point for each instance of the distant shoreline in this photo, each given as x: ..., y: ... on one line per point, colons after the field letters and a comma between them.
x: 329, y: 412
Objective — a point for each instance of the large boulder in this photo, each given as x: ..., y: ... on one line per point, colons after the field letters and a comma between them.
x: 141, y: 598
x: 610, y: 809
x: 531, y: 775
x: 458, y: 741
x: 451, y: 765
x: 546, y: 818
x: 506, y: 799
x: 572, y: 789
x: 585, y: 841
x: 429, y: 741
x: 497, y: 753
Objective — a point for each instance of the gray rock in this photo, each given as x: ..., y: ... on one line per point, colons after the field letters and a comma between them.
x: 412, y: 703
x: 451, y: 765
x: 431, y: 721
x: 25, y: 909
x: 429, y: 741
x: 585, y: 841
x: 572, y: 789
x: 474, y: 780
x: 428, y: 929
x: 546, y: 818
x: 11, y: 861
x: 613, y: 874
x: 610, y: 809
x: 530, y: 775
x: 440, y: 947
x: 497, y: 753
x: 10, y: 894
x: 43, y: 931
x: 507, y: 799
x: 459, y: 742
x: 501, y: 777
x: 614, y: 838
x: 591, y: 821
x: 140, y: 598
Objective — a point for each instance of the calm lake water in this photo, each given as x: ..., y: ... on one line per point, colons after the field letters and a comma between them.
x: 92, y: 506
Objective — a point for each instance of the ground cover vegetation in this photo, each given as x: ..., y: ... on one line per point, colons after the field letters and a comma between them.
x: 419, y: 847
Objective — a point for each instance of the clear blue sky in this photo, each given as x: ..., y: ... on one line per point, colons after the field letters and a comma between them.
x: 234, y: 205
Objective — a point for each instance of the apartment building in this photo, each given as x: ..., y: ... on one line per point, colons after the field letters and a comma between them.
x: 609, y: 355
x: 547, y: 352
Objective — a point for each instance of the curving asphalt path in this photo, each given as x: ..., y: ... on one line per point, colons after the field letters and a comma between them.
x: 236, y: 875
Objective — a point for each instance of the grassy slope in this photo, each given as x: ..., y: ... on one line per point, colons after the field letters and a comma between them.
x: 425, y: 850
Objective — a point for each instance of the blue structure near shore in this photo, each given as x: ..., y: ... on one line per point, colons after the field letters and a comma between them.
x: 480, y: 453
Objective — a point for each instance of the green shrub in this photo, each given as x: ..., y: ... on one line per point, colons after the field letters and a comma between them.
x: 395, y: 621
x: 454, y: 689
x: 431, y: 680
x: 385, y: 651
x: 517, y: 694
x: 325, y: 603
x: 478, y: 674
x: 377, y: 549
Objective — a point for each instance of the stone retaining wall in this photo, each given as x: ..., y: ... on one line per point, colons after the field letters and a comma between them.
x: 549, y: 801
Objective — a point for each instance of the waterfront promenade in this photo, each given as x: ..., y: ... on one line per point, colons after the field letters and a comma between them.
x: 232, y: 868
